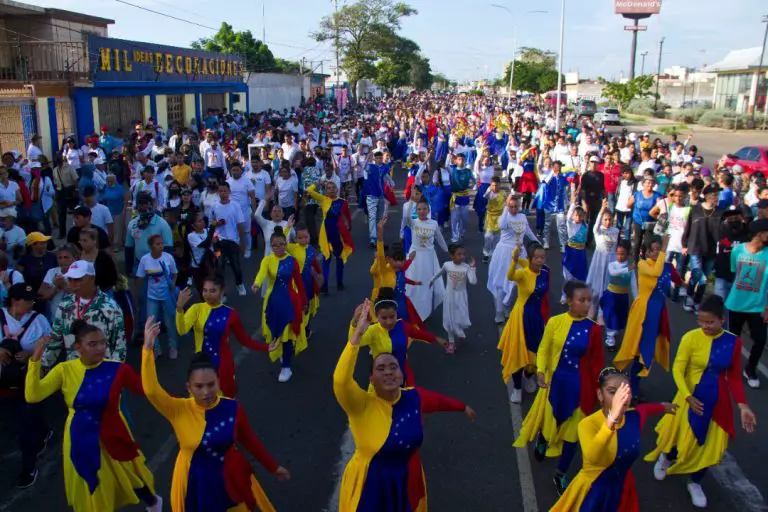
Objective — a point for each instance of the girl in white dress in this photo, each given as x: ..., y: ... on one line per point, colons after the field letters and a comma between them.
x: 425, y: 232
x: 456, y: 304
x: 606, y: 237
x: 513, y: 226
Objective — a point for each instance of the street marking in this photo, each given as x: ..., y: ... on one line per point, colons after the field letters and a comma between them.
x: 347, y: 449
x: 760, y: 366
x: 743, y: 494
x: 530, y: 503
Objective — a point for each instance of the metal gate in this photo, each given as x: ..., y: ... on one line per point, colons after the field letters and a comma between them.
x: 18, y: 123
x: 65, y: 123
x: 175, y: 111
x: 121, y: 112
x: 214, y: 101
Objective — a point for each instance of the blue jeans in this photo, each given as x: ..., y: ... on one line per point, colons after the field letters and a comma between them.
x: 375, y: 206
x: 168, y: 310
x: 611, y: 202
x: 681, y: 263
x: 701, y: 268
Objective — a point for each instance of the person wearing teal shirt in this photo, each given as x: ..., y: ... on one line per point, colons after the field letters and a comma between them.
x: 113, y: 196
x: 747, y: 301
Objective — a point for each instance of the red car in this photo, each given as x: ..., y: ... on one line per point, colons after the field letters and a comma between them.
x: 750, y: 158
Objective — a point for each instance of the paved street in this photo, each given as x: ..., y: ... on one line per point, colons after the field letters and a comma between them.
x: 469, y: 466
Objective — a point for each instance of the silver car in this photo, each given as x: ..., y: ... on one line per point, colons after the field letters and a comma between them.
x: 607, y: 115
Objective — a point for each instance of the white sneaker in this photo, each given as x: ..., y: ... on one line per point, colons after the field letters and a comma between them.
x: 698, y: 498
x: 158, y: 506
x: 285, y: 375
x: 241, y: 290
x: 661, y: 467
x: 516, y: 396
x: 529, y: 384
x: 247, y: 254
x: 562, y: 250
x: 688, y: 306
x: 610, y: 341
x: 546, y: 245
x: 499, y: 318
x: 752, y: 382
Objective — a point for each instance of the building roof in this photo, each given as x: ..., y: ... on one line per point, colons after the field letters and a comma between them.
x: 746, y: 58
x: 13, y: 8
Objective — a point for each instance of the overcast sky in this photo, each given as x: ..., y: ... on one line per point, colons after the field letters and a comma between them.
x: 464, y: 39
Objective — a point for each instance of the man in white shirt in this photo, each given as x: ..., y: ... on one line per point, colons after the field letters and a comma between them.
x: 33, y: 150
x: 100, y: 214
x: 214, y: 161
x: 588, y: 146
x: 227, y: 216
x: 243, y: 193
x: 290, y: 148
x: 646, y: 164
x: 147, y: 184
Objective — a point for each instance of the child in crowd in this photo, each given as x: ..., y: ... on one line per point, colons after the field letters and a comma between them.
x: 614, y: 299
x: 456, y: 302
x: 158, y: 270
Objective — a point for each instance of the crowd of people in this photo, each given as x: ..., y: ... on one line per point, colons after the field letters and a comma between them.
x: 165, y: 216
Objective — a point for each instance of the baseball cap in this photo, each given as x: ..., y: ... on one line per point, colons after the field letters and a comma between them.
x: 22, y: 291
x: 710, y: 189
x: 104, y: 128
x: 36, y: 237
x: 594, y: 159
x: 80, y: 269
x: 99, y: 161
x: 758, y: 226
x: 82, y: 211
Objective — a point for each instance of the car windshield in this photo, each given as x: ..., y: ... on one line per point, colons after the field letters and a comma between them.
x: 611, y: 111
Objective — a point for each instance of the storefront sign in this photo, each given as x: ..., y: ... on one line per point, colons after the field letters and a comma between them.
x: 646, y: 7
x: 118, y: 60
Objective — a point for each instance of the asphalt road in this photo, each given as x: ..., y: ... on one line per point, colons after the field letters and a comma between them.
x: 469, y: 466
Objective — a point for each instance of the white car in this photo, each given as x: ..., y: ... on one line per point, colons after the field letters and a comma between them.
x: 607, y: 116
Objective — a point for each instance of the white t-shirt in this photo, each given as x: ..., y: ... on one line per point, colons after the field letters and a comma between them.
x: 678, y: 218
x: 158, y: 278
x: 195, y: 239
x: 232, y: 215
x: 49, y: 279
x: 626, y: 189
x: 101, y: 216
x: 345, y: 164
x: 286, y: 190
x: 37, y: 329
x: 260, y: 181
x: 8, y: 192
x: 241, y: 191
x: 13, y: 237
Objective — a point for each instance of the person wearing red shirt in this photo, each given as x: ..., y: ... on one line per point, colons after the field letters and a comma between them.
x: 611, y: 170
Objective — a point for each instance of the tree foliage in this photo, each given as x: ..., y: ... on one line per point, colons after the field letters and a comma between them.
x: 420, y: 76
x: 546, y: 58
x: 256, y: 54
x: 443, y: 81
x: 287, y: 66
x: 532, y: 77
x: 624, y: 93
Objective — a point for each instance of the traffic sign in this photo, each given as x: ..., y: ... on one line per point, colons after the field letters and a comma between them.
x: 635, y: 27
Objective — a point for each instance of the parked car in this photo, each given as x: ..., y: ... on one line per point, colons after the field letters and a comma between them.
x: 750, y: 158
x: 608, y: 115
x: 586, y: 108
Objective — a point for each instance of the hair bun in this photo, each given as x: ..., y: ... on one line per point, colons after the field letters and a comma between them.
x: 77, y: 326
x: 385, y: 293
x: 278, y: 231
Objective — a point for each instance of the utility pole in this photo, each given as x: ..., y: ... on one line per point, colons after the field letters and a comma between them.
x: 560, y: 67
x: 336, y: 25
x: 658, y: 75
x: 633, y: 51
x: 760, y: 66
x: 512, y: 66
x: 263, y: 22
x: 642, y: 66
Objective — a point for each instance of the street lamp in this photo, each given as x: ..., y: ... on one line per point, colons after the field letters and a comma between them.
x: 760, y: 66
x: 514, y: 39
x: 560, y: 65
x: 642, y: 66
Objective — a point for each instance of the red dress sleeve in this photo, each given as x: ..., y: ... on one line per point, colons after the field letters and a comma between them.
x: 435, y: 402
x: 592, y: 363
x: 675, y: 276
x: 647, y: 410
x: 419, y: 334
x: 237, y: 328
x: 246, y: 437
x: 130, y: 380
x: 733, y: 375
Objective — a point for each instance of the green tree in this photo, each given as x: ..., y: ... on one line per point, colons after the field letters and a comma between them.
x: 532, y: 77
x: 624, y: 93
x: 256, y: 54
x: 420, y: 76
x: 359, y: 27
x: 287, y: 66
x: 391, y: 73
x: 442, y: 81
x: 536, y: 56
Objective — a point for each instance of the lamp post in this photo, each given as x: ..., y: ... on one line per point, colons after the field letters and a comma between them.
x: 642, y: 65
x: 658, y: 76
x: 514, y: 40
x: 560, y: 65
x: 760, y: 66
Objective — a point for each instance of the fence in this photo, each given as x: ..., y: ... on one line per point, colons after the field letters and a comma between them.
x: 43, y: 61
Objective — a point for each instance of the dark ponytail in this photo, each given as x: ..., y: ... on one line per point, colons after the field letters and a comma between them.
x: 200, y: 361
x: 80, y: 328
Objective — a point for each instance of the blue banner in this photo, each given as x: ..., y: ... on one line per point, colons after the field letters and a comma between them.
x: 118, y: 60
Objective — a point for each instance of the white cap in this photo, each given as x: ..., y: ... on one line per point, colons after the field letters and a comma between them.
x: 98, y: 161
x: 34, y: 165
x: 633, y: 136
x: 80, y: 269
x: 594, y: 159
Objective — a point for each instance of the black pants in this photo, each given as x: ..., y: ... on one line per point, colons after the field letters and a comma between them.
x: 218, y: 172
x: 32, y: 431
x: 638, y: 237
x: 757, y: 331
x: 310, y: 219
x: 358, y: 191
x: 593, y: 207
x: 230, y: 252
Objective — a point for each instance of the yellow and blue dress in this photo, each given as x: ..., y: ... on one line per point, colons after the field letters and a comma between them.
x: 210, y: 473
x: 305, y: 257
x: 335, y: 237
x: 284, y: 303
x: 571, y: 357
x: 103, y: 466
x: 385, y: 472
x: 212, y: 325
x: 605, y: 482
x: 708, y: 368
x: 389, y: 277
x: 524, y: 329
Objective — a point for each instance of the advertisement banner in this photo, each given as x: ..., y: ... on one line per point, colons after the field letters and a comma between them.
x: 118, y: 60
x: 646, y: 7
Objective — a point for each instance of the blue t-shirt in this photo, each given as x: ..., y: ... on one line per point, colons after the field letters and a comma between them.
x: 114, y: 198
x: 725, y: 199
x: 374, y: 181
x: 748, y: 293
x: 642, y: 206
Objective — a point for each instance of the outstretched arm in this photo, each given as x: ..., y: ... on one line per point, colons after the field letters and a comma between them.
x: 246, y: 437
x: 237, y: 328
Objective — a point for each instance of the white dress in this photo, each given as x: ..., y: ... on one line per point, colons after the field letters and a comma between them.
x: 425, y: 298
x: 456, y: 304
x: 513, y: 229
x: 605, y: 253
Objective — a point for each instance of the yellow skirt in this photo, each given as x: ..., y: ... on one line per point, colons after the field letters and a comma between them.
x: 541, y: 419
x: 514, y: 351
x: 675, y: 431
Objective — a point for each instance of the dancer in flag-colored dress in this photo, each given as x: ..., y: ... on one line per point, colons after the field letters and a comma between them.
x: 103, y: 466
x: 707, y: 373
x: 575, y: 256
x: 211, y: 473
x: 524, y: 329
x: 311, y: 273
x: 212, y: 323
x: 335, y: 236
x: 385, y: 472
x: 496, y: 201
x: 392, y: 334
x: 284, y: 304
x: 646, y: 338
x: 614, y: 300
x: 456, y: 303
x: 568, y: 363
x: 610, y: 444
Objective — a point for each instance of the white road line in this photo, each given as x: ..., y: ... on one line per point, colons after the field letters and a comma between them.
x: 530, y: 503
x: 347, y: 449
x: 743, y: 494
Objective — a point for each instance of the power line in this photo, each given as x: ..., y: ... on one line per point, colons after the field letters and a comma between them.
x: 165, y: 14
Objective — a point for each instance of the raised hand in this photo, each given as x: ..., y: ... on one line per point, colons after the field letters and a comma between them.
x: 362, y: 321
x: 151, y: 332
x: 470, y: 413
x: 184, y: 296
x: 282, y: 474
x: 40, y: 347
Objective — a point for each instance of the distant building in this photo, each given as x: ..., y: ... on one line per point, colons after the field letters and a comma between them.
x: 739, y: 85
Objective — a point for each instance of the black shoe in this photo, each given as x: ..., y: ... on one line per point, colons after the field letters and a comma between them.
x: 561, y: 484
x: 340, y: 287
x: 540, y: 450
x: 486, y: 259
x: 25, y: 479
x: 324, y: 291
x: 372, y: 245
x: 47, y: 438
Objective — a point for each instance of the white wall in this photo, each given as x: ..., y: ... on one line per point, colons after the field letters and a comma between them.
x: 274, y: 90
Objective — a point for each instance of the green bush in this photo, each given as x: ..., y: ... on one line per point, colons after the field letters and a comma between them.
x: 717, y: 119
x: 645, y: 107
x: 688, y: 115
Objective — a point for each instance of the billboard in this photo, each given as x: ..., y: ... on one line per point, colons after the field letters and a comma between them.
x: 117, y: 60
x: 643, y: 7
